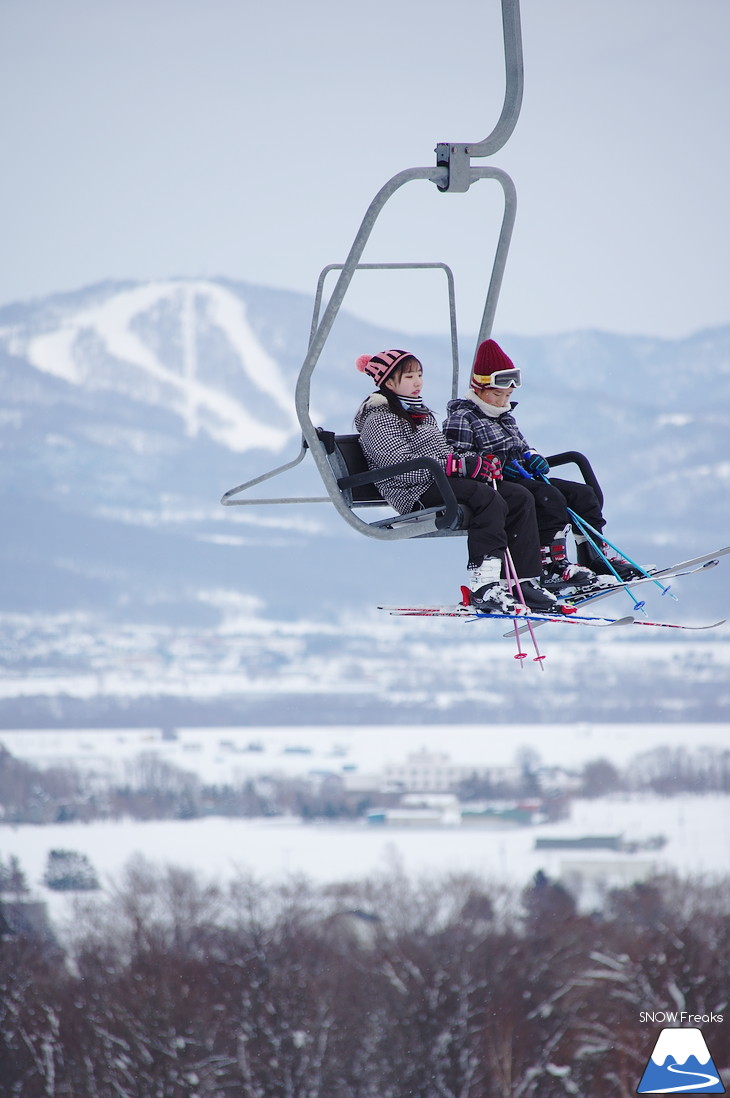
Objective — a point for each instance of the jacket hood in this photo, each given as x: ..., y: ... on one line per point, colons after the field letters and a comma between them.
x: 372, y: 403
x: 460, y: 404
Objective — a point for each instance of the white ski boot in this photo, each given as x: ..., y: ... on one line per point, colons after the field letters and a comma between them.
x: 489, y: 594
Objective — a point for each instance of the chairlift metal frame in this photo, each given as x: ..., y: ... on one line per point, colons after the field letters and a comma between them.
x: 452, y: 174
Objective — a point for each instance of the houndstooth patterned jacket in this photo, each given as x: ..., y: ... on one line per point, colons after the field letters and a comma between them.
x: 386, y: 439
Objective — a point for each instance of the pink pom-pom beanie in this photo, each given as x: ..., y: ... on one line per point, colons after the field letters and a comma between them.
x: 381, y: 365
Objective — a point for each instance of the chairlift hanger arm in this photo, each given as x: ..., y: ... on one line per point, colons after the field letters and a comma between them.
x: 319, y: 336
x: 453, y: 172
x: 455, y: 157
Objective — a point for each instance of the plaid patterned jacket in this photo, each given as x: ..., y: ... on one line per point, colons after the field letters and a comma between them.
x: 469, y: 430
x: 386, y: 439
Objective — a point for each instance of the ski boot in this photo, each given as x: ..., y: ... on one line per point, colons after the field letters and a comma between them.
x: 590, y: 557
x: 558, y: 574
x: 488, y: 593
x: 537, y: 596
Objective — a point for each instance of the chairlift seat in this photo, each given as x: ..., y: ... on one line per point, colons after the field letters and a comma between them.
x: 359, y: 486
x: 358, y: 483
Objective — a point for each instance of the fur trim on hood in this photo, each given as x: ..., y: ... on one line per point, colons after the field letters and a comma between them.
x: 370, y: 404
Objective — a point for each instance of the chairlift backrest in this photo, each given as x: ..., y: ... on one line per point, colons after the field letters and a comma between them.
x: 347, y: 460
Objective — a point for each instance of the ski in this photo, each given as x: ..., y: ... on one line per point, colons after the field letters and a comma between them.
x: 579, y: 595
x: 630, y: 620
x: 531, y: 620
x: 685, y: 568
x: 560, y: 619
x: 468, y: 613
x: 691, y: 565
x: 524, y: 621
x: 678, y: 625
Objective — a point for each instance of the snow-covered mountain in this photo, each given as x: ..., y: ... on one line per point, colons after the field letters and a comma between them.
x: 187, y: 347
x: 129, y: 408
x: 146, y: 401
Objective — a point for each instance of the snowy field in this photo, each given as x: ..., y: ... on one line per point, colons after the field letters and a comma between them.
x: 233, y: 754
x: 697, y: 829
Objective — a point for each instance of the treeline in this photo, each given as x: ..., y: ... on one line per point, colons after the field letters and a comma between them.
x: 666, y: 771
x: 154, y: 788
x: 179, y: 988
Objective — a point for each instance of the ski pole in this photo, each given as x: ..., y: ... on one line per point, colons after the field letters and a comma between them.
x: 584, y: 529
x: 585, y: 526
x: 515, y: 467
x: 519, y: 654
x: 511, y: 575
x: 512, y: 579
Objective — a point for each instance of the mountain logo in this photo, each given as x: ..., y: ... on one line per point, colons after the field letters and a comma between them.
x: 680, y: 1063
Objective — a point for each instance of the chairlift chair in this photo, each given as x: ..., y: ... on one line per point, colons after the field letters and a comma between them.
x: 351, y: 486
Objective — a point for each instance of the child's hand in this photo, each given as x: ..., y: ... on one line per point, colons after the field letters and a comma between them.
x: 514, y: 471
x: 474, y: 467
x: 493, y: 466
x: 535, y: 463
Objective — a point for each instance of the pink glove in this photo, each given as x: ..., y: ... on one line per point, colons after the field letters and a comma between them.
x: 485, y: 468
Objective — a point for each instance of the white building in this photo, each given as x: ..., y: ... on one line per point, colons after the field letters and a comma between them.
x: 434, y: 772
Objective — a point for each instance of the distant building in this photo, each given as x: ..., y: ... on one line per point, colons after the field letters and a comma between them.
x: 581, y: 842
x: 413, y: 817
x: 445, y: 810
x: 504, y: 813
x: 434, y: 772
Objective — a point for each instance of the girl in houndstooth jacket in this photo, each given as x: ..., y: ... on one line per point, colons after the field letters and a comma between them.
x: 394, y: 426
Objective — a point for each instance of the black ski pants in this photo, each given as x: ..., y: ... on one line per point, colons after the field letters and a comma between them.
x: 552, y: 501
x: 495, y: 520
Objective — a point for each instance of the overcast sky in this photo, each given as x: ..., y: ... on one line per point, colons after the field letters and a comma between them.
x: 154, y: 138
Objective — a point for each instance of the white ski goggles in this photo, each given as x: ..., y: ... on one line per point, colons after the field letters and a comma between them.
x: 500, y: 379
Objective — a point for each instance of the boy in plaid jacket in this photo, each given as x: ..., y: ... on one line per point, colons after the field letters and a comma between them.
x: 483, y: 422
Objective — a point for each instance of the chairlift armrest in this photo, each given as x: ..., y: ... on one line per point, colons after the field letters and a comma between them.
x: 574, y: 457
x: 450, y: 518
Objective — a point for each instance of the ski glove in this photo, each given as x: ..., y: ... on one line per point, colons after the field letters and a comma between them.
x: 493, y: 467
x: 535, y: 463
x: 475, y: 467
x: 514, y: 471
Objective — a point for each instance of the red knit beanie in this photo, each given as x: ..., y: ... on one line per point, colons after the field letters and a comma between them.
x: 381, y: 366
x: 489, y: 359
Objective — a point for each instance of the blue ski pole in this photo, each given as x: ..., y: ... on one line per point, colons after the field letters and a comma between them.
x: 586, y: 527
x: 515, y: 467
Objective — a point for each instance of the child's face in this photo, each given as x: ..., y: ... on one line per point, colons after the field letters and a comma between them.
x: 408, y: 384
x: 500, y: 398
